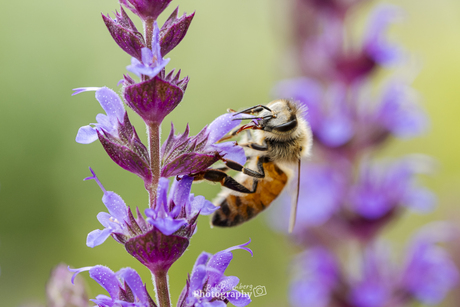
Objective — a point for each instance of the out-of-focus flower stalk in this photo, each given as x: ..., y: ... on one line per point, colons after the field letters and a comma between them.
x: 345, y: 197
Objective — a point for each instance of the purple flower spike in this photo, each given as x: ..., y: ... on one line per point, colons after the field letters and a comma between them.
x: 151, y: 60
x: 124, y: 287
x: 146, y: 9
x: 173, y: 31
x: 125, y: 34
x: 155, y: 98
x: 184, y: 155
x: 208, y: 286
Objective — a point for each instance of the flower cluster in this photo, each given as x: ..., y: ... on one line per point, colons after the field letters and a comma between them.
x: 346, y: 194
x: 159, y: 234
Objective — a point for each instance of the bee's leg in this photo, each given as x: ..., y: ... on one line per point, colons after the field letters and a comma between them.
x: 255, y: 146
x: 260, y: 173
x: 225, y: 180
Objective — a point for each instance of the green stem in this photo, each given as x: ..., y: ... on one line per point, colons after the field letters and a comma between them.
x: 162, y: 289
x: 153, y: 131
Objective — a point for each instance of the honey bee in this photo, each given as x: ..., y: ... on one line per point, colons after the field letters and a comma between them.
x: 280, y: 138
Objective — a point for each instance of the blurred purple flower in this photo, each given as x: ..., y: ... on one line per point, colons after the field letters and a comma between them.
x: 208, y: 286
x: 152, y: 61
x: 125, y: 33
x: 125, y: 287
x: 430, y: 272
x: 341, y: 203
x: 60, y: 291
x: 399, y: 113
x: 116, y: 134
x: 320, y: 275
x: 383, y: 187
x: 342, y: 121
x: 427, y: 275
x: 146, y: 9
x: 184, y: 155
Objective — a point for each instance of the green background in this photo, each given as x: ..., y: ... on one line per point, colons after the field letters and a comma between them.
x: 234, y: 53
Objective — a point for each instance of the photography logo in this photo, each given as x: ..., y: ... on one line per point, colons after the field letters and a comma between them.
x: 259, y: 291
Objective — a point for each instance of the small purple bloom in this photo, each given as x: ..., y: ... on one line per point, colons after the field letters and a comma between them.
x: 375, y: 43
x: 399, y: 113
x: 146, y: 9
x: 184, y: 155
x: 152, y: 61
x: 125, y: 33
x: 430, y: 271
x: 322, y: 276
x: 160, y: 239
x: 116, y: 134
x: 178, y: 210
x: 125, y: 287
x: 115, y: 222
x: 382, y: 187
x: 112, y: 105
x: 208, y: 286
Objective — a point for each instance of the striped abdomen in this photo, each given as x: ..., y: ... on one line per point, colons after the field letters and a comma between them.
x: 236, y: 209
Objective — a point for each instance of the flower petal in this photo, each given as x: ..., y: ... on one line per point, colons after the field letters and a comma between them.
x: 198, y: 278
x: 111, y: 103
x: 134, y: 282
x: 167, y: 225
x: 107, y: 279
x: 116, y: 206
x: 86, y: 135
x: 221, y: 126
x: 238, y: 299
x: 97, y: 237
x: 231, y: 151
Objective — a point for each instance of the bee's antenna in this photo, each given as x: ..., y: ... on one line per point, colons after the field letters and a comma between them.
x: 255, y: 117
x: 255, y: 109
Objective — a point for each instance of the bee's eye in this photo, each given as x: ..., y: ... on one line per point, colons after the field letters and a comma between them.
x: 286, y: 126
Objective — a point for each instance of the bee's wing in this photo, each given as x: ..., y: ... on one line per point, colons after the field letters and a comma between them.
x: 295, y: 201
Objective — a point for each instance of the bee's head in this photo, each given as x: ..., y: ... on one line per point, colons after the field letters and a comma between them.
x: 284, y: 121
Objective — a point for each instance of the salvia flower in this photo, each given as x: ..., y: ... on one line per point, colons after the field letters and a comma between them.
x: 179, y: 209
x: 152, y: 61
x: 125, y: 287
x: 116, y: 134
x: 184, y: 155
x: 160, y: 239
x: 146, y: 9
x: 208, y: 286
